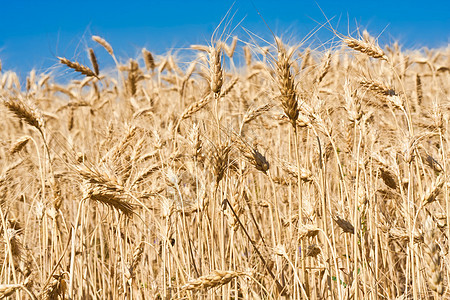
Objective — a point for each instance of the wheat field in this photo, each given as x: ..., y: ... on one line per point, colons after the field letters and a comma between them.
x: 251, y: 171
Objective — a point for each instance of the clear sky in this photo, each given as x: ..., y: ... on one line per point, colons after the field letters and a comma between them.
x: 33, y: 33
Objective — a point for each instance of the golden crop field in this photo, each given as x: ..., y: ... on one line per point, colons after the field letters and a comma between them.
x: 251, y: 171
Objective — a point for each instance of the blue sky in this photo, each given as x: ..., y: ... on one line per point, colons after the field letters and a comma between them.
x: 33, y: 33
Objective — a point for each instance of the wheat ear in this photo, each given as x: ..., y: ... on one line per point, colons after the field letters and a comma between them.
x: 94, y: 61
x: 104, y: 44
x: 77, y: 67
x: 367, y: 48
x: 214, y: 279
x: 19, y: 144
x: 433, y: 257
x: 216, y: 71
x: 285, y: 82
x: 102, y: 189
x: 148, y: 59
x: 24, y: 112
